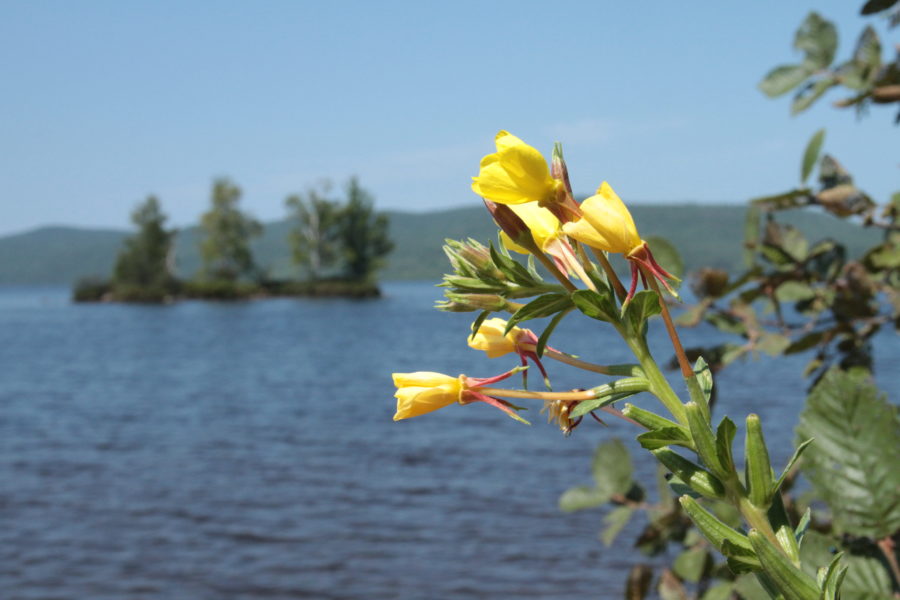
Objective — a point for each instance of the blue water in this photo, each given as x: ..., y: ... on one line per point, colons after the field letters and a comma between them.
x: 246, y: 450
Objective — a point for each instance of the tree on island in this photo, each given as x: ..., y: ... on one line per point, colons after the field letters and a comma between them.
x: 146, y: 261
x: 225, y: 247
x: 363, y: 233
x: 314, y: 240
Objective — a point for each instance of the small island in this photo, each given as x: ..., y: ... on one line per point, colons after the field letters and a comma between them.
x: 337, y: 246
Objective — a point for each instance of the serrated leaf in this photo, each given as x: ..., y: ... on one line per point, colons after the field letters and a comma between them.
x: 853, y: 464
x: 542, y: 306
x: 595, y: 305
x: 809, y: 93
x: 783, y: 79
x: 817, y: 37
x: 615, y: 521
x: 811, y: 154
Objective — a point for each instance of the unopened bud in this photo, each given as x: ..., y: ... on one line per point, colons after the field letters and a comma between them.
x: 512, y: 225
x: 471, y: 302
x: 558, y: 169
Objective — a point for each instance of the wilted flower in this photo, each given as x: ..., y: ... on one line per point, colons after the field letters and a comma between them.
x: 423, y: 392
x: 515, y: 174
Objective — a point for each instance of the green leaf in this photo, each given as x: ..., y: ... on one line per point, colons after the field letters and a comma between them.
x: 749, y: 588
x: 478, y: 321
x: 875, y: 6
x: 783, y: 79
x: 705, y: 439
x: 595, y: 305
x: 580, y: 498
x: 548, y: 331
x: 794, y: 291
x: 691, y: 564
x: 615, y: 521
x: 644, y: 305
x: 725, y: 433
x: 612, y: 468
x: 811, y: 154
x: 720, y: 591
x: 611, y: 392
x: 790, y: 464
x: 704, y: 378
x: 773, y: 344
x: 817, y: 37
x: 698, y: 479
x: 666, y: 255
x: 868, y: 52
x: 853, y: 464
x: 808, y: 94
x: 788, y: 579
x: 668, y: 436
x: 542, y: 306
x: 758, y: 467
x: 728, y: 541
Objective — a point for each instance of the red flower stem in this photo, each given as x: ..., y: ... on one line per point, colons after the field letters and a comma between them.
x: 686, y: 371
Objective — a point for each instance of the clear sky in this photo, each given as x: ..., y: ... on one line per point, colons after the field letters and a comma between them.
x: 106, y: 102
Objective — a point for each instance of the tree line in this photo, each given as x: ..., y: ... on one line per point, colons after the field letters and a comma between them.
x: 336, y: 243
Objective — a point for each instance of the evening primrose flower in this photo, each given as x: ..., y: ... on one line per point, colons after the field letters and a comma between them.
x: 606, y: 224
x: 515, y: 174
x: 423, y: 392
x: 490, y: 338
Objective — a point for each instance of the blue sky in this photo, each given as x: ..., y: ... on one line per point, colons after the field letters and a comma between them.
x: 106, y: 102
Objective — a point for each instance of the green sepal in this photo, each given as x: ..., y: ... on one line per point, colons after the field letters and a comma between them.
x: 704, y: 439
x: 790, y: 581
x: 667, y: 436
x: 727, y: 540
x: 611, y: 392
x: 697, y: 478
x: 758, y: 467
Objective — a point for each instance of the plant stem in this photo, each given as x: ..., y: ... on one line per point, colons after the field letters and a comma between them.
x: 582, y: 395
x: 610, y: 273
x: 659, y: 385
x: 572, y: 361
x: 550, y: 266
x: 683, y: 361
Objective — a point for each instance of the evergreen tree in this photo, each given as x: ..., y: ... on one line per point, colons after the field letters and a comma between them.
x: 146, y: 260
x: 225, y: 247
x: 314, y: 240
x: 363, y: 234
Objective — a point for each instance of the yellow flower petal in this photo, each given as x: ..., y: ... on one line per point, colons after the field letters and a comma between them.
x: 422, y: 379
x: 515, y: 174
x: 491, y: 340
x: 614, y: 229
x: 511, y: 245
x: 416, y: 401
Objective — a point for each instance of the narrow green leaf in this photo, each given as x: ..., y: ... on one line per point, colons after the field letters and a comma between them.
x: 478, y: 321
x: 704, y: 439
x: 611, y: 392
x: 717, y: 532
x: 725, y: 433
x: 790, y: 464
x: 811, y: 154
x: 790, y: 581
x: 548, y: 331
x: 581, y: 498
x: 697, y: 478
x: 668, y: 436
x: 808, y: 94
x: 783, y: 79
x: 759, y: 470
x: 512, y: 269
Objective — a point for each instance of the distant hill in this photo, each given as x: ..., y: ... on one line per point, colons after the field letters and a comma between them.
x: 706, y: 235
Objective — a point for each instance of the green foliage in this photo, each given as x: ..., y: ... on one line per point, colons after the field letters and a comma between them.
x: 363, y: 234
x: 225, y: 248
x: 314, y: 239
x: 145, y: 266
x: 853, y: 462
x: 612, y: 471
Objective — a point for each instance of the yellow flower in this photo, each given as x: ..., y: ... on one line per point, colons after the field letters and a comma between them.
x: 424, y: 392
x: 542, y: 224
x: 605, y: 223
x: 515, y: 174
x: 490, y: 338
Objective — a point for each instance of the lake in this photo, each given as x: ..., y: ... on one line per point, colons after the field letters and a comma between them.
x: 246, y: 450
